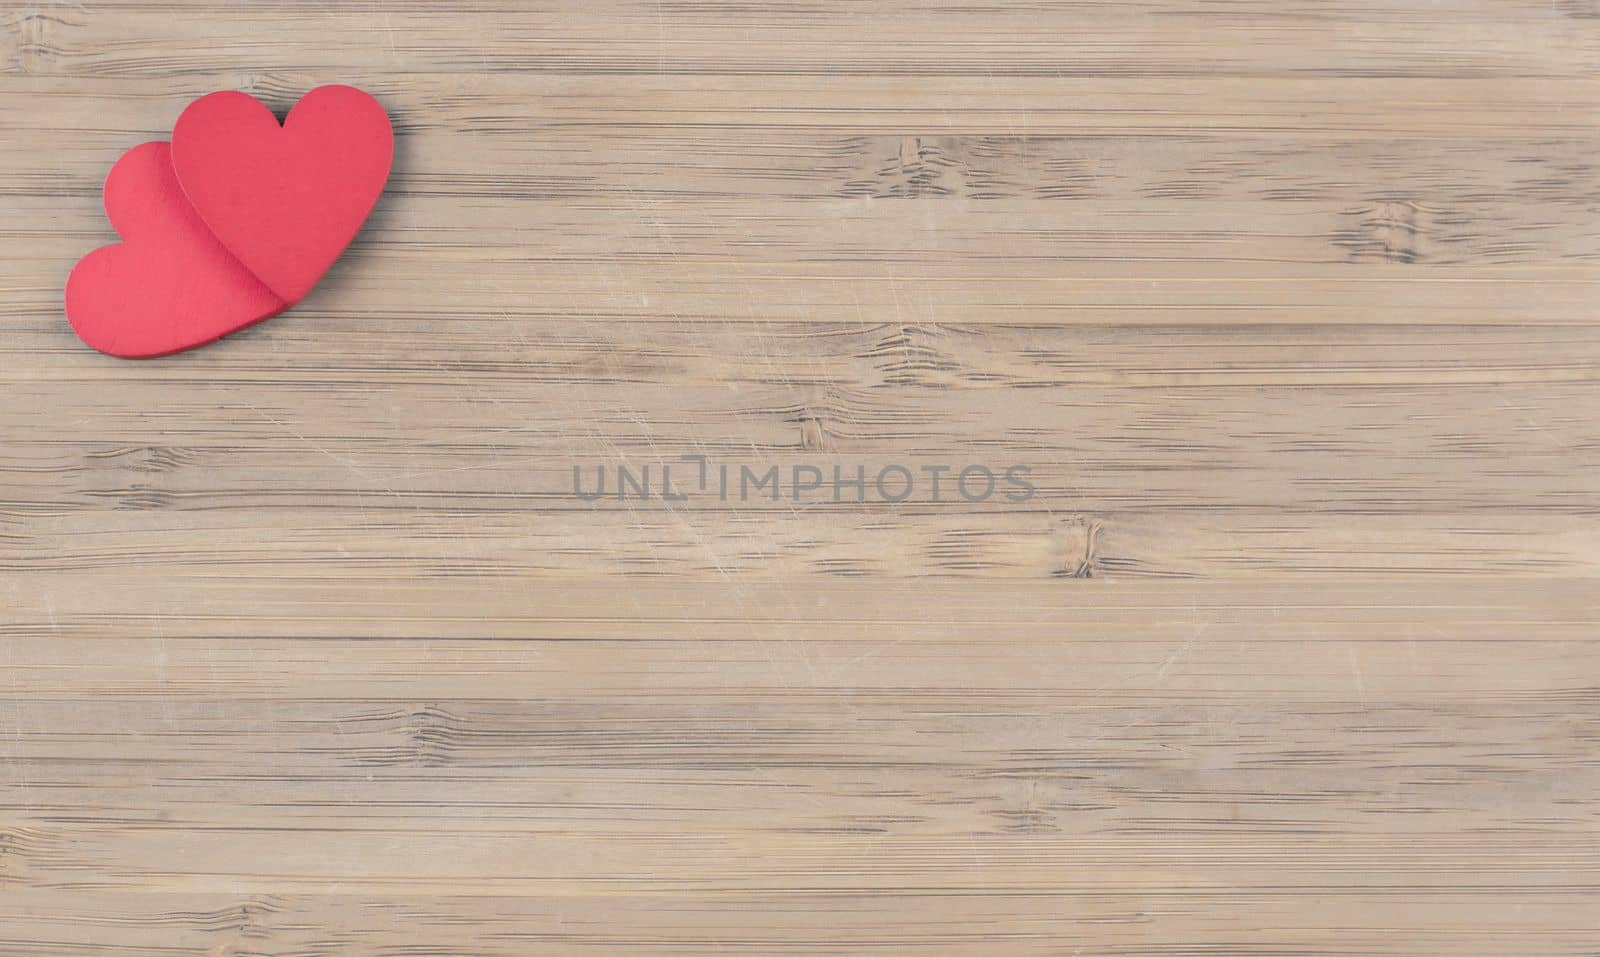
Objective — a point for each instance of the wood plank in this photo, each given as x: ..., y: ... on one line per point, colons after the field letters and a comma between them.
x: 307, y: 646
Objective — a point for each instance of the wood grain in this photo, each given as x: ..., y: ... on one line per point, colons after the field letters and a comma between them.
x: 1290, y: 308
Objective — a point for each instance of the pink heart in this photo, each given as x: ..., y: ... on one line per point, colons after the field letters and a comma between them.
x: 170, y: 285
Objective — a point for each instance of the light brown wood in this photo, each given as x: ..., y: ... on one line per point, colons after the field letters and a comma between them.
x: 1290, y: 307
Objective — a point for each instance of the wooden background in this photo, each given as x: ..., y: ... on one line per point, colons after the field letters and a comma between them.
x: 1291, y: 306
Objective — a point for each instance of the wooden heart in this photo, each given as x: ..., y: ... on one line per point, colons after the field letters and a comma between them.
x: 285, y: 200
x: 169, y: 285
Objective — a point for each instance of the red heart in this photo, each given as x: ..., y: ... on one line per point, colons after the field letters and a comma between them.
x: 170, y: 285
x: 285, y: 200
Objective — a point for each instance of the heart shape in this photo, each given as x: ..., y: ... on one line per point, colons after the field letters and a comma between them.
x: 231, y: 223
x: 285, y: 200
x: 170, y: 285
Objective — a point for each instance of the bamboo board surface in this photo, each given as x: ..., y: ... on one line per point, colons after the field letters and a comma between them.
x: 1290, y: 308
